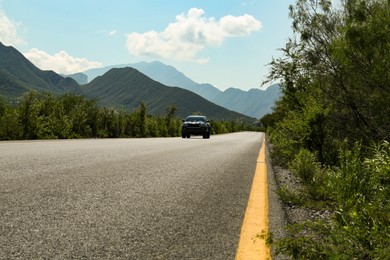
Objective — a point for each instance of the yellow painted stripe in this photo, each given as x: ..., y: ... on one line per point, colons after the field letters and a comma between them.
x: 254, y: 230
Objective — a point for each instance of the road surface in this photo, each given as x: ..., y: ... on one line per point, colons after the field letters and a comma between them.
x: 158, y: 198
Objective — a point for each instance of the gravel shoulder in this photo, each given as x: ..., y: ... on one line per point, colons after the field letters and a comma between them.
x: 278, y: 217
x: 282, y: 214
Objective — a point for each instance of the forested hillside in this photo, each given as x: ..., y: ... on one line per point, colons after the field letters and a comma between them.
x: 127, y: 87
x: 18, y: 75
x: 332, y: 127
x: 253, y: 103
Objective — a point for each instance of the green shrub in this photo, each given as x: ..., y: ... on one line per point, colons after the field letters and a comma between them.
x: 315, y: 178
x: 285, y: 148
x: 291, y: 197
x: 10, y: 129
x: 359, y: 226
x: 363, y: 189
x: 304, y: 166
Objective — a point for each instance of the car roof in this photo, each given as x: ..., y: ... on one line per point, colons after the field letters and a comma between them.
x: 196, y: 116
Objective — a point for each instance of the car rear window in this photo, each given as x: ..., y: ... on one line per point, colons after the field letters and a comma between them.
x: 195, y: 118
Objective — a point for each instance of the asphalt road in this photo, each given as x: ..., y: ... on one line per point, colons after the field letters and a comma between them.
x: 162, y: 198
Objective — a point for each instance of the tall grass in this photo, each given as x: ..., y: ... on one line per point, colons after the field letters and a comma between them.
x: 358, y: 193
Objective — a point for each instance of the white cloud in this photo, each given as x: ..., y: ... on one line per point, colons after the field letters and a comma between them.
x: 189, y: 34
x: 9, y: 31
x: 112, y: 33
x: 235, y: 26
x: 60, y: 62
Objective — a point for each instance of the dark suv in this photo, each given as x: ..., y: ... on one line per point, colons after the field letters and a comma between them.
x: 196, y: 125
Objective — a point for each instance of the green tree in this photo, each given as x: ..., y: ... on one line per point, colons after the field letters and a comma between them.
x: 28, y: 115
x: 10, y: 129
x: 339, y: 59
x: 3, y: 106
x: 170, y: 122
x: 142, y: 114
x: 363, y: 55
x: 82, y: 115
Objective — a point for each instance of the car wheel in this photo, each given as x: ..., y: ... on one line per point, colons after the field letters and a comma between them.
x: 188, y: 135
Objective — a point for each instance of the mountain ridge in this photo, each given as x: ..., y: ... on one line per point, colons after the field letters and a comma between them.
x: 254, y: 103
x: 22, y: 75
x: 127, y: 88
x: 18, y: 75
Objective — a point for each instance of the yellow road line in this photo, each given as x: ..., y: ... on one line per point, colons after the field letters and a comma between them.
x: 254, y: 230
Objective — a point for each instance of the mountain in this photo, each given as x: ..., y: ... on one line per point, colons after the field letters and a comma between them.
x: 18, y: 75
x: 170, y: 76
x: 162, y: 73
x: 80, y: 78
x: 127, y: 87
x: 254, y: 103
x: 124, y: 88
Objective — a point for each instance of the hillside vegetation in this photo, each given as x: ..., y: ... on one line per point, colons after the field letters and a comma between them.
x: 332, y: 127
x: 49, y: 116
x: 18, y: 75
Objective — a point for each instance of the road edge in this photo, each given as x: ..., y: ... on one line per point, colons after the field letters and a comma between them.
x: 254, y: 230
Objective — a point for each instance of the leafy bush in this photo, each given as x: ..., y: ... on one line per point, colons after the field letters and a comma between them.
x: 10, y: 129
x: 286, y: 148
x: 304, y: 166
x: 363, y: 212
x: 315, y: 178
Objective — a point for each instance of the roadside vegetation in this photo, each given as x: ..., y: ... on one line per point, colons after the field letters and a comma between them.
x: 49, y: 116
x: 331, y: 128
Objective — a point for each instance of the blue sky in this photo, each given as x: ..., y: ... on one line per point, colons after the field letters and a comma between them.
x: 227, y: 43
